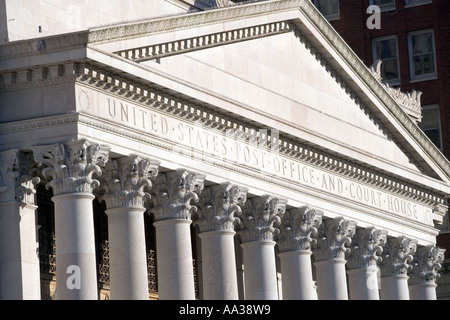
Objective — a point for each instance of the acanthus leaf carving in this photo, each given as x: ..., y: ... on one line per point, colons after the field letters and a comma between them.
x: 426, y: 264
x: 174, y: 193
x: 17, y: 180
x: 126, y: 182
x: 397, y: 256
x: 334, y: 238
x: 260, y: 217
x: 70, y: 167
x: 298, y: 229
x: 367, y: 247
x: 220, y: 206
x: 410, y: 102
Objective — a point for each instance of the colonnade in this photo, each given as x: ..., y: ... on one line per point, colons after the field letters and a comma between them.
x: 349, y: 262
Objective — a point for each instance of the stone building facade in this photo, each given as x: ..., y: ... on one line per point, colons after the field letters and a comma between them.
x: 236, y: 152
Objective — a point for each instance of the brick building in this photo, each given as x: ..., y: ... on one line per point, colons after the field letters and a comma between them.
x: 413, y: 42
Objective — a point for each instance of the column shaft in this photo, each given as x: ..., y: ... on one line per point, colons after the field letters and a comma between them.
x: 423, y: 291
x: 363, y: 283
x: 19, y: 260
x: 331, y: 279
x: 394, y: 287
x: 297, y: 279
x: 76, y: 271
x: 174, y: 259
x: 260, y: 270
x: 219, y: 265
x: 127, y: 254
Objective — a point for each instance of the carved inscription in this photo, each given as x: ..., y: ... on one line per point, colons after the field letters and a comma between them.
x: 196, y: 141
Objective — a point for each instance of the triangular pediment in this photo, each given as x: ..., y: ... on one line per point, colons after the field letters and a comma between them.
x: 273, y: 64
x: 282, y: 65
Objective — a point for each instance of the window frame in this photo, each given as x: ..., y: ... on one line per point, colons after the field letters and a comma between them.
x: 389, y: 7
x: 439, y: 127
x: 330, y: 17
x: 392, y: 82
x: 430, y: 76
x: 415, y: 3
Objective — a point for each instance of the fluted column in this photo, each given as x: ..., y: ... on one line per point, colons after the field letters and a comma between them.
x: 125, y: 183
x: 174, y: 192
x: 426, y: 264
x: 257, y: 235
x: 335, y: 235
x: 70, y: 169
x: 216, y: 220
x: 397, y: 256
x: 19, y: 259
x: 363, y: 271
x: 298, y: 227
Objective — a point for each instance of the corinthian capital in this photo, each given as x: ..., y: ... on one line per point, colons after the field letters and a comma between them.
x: 426, y: 264
x: 335, y: 235
x: 124, y: 181
x: 70, y: 167
x: 366, y: 248
x: 397, y: 256
x: 219, y: 206
x: 298, y: 227
x: 173, y: 193
x: 260, y: 216
x: 16, y: 181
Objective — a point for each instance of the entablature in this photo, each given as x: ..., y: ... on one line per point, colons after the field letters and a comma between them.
x: 430, y: 192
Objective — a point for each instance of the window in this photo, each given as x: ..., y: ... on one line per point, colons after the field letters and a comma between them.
x: 411, y: 3
x: 386, y: 50
x: 329, y: 8
x: 385, y: 5
x: 422, y: 58
x: 431, y: 124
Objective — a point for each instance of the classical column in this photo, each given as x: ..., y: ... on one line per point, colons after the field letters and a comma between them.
x: 216, y: 220
x: 70, y: 168
x: 362, y: 268
x: 257, y: 235
x: 426, y: 264
x: 124, y: 183
x: 19, y: 260
x: 298, y: 227
x: 330, y: 258
x: 397, y: 256
x: 174, y: 191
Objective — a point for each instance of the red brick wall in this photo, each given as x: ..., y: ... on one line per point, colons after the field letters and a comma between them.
x: 352, y: 27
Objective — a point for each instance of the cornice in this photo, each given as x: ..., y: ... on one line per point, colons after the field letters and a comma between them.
x: 159, y: 50
x: 169, y: 24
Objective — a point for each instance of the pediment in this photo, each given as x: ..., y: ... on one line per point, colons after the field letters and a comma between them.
x: 277, y: 64
x: 280, y: 64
